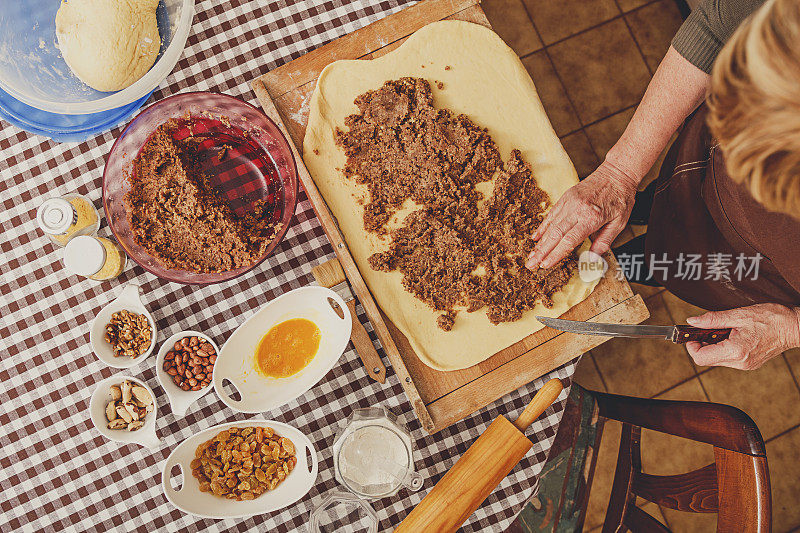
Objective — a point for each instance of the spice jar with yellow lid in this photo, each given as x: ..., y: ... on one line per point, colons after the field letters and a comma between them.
x: 95, y: 258
x: 67, y: 217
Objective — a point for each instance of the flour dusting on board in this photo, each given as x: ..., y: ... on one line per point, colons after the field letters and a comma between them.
x: 301, y: 115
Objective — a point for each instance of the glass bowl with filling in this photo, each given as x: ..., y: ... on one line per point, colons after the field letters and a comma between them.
x: 200, y: 188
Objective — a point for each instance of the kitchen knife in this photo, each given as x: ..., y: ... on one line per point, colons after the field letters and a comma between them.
x: 331, y: 275
x: 679, y: 334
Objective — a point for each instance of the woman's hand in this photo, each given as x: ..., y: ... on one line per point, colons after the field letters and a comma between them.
x: 759, y: 333
x: 600, y: 204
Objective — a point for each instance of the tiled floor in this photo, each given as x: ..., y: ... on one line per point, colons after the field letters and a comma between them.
x: 591, y: 61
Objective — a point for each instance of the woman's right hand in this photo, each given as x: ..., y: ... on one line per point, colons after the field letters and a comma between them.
x: 600, y: 204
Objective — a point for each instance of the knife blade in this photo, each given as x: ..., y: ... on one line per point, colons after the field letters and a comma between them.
x: 331, y: 275
x: 679, y: 334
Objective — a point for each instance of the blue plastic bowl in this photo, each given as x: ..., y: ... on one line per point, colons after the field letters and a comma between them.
x: 64, y: 128
x: 38, y: 91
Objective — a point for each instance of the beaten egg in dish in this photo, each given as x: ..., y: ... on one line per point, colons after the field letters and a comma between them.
x: 287, y: 348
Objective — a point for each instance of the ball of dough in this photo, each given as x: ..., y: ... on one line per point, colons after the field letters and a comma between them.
x: 108, y: 44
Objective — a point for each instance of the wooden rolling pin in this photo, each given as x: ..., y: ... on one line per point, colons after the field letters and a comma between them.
x: 478, y: 472
x: 331, y: 275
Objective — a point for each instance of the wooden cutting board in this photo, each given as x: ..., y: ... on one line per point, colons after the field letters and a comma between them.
x: 439, y: 398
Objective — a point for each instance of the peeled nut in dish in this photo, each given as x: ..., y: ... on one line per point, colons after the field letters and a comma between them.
x: 243, y: 463
x: 190, y: 363
x: 129, y: 334
x: 128, y: 407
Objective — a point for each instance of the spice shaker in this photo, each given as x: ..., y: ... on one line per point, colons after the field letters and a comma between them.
x: 63, y: 218
x: 94, y: 257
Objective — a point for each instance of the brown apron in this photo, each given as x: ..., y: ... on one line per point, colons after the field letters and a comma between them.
x: 699, y: 209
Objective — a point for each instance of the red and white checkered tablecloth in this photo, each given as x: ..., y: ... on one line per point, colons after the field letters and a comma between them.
x: 56, y: 472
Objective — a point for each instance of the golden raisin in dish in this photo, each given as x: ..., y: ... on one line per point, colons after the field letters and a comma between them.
x: 243, y: 463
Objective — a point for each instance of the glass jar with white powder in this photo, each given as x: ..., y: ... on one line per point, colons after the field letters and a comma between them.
x: 372, y: 458
x: 372, y: 454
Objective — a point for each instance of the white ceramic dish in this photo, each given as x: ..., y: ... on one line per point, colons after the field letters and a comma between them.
x: 236, y: 361
x: 145, y: 435
x: 189, y: 499
x: 179, y: 399
x: 129, y: 298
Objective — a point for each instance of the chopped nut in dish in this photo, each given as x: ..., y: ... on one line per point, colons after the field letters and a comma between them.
x: 129, y: 334
x: 190, y: 363
x: 128, y: 407
x: 243, y: 463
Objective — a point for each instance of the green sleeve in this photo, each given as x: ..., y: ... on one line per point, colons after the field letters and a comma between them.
x: 709, y: 27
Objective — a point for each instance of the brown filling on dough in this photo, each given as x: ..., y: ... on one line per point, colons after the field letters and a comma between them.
x: 176, y: 215
x: 454, y: 251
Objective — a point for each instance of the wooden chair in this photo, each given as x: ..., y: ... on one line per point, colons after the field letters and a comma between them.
x: 736, y: 486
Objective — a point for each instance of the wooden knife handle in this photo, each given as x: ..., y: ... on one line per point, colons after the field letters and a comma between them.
x: 684, y: 334
x: 364, y: 347
x: 330, y: 274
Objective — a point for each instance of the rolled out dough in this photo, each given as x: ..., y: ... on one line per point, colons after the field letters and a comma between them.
x: 487, y: 82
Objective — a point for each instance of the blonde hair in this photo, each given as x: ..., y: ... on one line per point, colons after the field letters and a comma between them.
x: 754, y: 105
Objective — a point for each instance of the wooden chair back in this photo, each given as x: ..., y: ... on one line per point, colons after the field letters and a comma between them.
x: 735, y: 486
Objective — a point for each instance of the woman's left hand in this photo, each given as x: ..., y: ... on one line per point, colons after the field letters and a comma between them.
x: 758, y: 333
